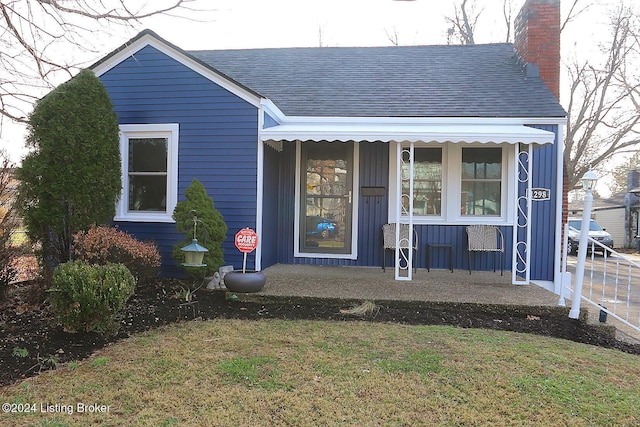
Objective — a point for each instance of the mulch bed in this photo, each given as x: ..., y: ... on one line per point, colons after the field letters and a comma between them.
x: 26, y: 324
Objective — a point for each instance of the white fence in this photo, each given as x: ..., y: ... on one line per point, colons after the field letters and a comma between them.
x: 611, y: 285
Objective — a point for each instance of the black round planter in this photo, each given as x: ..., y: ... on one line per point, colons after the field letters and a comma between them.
x: 250, y: 281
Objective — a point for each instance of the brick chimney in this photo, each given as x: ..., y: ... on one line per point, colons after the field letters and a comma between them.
x: 537, y: 39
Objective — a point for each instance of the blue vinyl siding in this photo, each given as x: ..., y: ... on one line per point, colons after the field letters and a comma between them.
x: 372, y: 212
x: 217, y: 141
x: 543, y: 215
x: 269, y: 122
x: 286, y: 203
x: 271, y: 207
x: 457, y: 236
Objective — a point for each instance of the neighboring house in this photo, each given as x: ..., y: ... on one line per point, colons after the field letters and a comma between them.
x: 610, y: 214
x: 282, y: 136
x: 618, y: 214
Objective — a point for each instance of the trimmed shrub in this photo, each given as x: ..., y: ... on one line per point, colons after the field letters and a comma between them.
x: 104, y: 245
x: 90, y: 298
x: 211, y: 229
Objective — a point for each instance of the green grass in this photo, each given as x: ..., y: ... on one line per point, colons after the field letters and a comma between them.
x: 305, y: 373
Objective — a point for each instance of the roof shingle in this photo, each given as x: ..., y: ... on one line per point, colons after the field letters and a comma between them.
x: 400, y: 81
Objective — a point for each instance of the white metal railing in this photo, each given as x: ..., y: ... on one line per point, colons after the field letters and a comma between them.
x: 611, y: 284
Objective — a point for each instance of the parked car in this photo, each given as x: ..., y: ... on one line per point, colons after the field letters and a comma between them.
x: 596, y: 232
x: 321, y: 227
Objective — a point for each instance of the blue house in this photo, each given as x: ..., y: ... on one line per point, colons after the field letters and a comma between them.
x: 317, y: 148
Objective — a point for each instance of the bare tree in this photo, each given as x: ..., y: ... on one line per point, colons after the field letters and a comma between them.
x: 576, y: 9
x: 393, y: 36
x: 464, y: 21
x: 34, y: 32
x: 604, y: 101
x: 507, y: 14
x: 321, y: 40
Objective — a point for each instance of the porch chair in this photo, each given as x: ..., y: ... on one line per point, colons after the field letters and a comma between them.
x: 486, y: 238
x: 389, y: 242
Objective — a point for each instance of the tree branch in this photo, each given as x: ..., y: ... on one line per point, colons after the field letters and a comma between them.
x: 604, y: 102
x: 35, y: 31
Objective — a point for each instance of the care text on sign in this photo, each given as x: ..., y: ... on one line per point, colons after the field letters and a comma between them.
x: 246, y: 240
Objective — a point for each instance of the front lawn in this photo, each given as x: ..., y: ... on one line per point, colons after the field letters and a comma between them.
x: 277, y: 372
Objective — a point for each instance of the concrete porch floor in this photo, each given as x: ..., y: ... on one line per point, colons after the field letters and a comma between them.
x: 369, y: 283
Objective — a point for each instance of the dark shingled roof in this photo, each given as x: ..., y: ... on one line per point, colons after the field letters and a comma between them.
x: 412, y: 81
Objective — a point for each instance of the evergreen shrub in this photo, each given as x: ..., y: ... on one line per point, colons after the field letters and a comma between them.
x: 211, y: 228
x: 90, y: 298
x: 70, y: 180
x: 104, y: 245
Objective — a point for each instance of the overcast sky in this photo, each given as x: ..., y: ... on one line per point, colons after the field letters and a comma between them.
x: 227, y: 24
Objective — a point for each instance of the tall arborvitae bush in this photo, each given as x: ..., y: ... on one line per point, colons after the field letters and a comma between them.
x: 211, y: 228
x: 70, y: 180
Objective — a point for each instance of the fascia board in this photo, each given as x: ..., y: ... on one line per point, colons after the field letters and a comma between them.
x: 329, y: 120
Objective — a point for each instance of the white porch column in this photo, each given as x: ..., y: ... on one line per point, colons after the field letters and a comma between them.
x: 521, y: 257
x: 404, y: 257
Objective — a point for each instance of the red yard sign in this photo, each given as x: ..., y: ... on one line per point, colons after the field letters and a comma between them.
x: 246, y: 240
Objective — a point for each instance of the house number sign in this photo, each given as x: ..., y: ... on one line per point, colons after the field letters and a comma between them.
x: 540, y: 194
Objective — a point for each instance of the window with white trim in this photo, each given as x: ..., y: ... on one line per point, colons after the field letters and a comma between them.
x: 149, y: 172
x: 481, y: 181
x: 457, y: 183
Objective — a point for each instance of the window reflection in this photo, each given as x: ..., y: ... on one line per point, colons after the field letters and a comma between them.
x: 427, y: 182
x: 327, y: 204
x: 147, y: 172
x: 481, y: 186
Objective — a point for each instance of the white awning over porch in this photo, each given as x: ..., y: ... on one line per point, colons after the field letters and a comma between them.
x: 408, y: 132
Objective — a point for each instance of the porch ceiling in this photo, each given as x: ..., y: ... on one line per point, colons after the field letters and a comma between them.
x: 408, y: 132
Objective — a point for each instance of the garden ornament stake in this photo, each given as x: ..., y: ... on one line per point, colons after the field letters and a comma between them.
x: 194, y: 253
